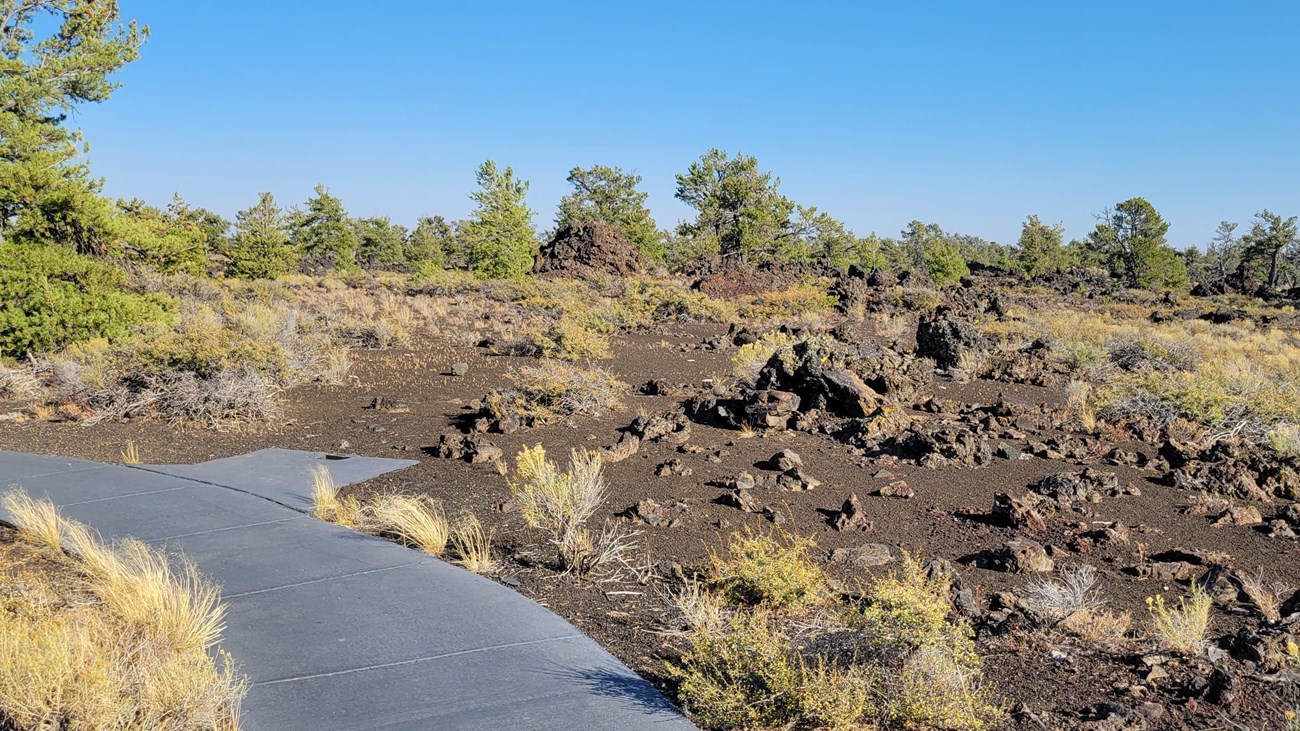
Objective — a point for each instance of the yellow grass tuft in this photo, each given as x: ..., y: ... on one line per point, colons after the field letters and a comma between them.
x: 326, y: 503
x: 1182, y: 628
x: 38, y: 521
x: 473, y: 545
x: 130, y: 454
x: 136, y: 660
x: 417, y: 521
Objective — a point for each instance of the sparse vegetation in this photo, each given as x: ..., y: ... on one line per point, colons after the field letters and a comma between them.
x: 896, y: 662
x: 128, y: 646
x: 1182, y: 628
x: 554, y: 389
x: 328, y: 505
x: 563, y: 503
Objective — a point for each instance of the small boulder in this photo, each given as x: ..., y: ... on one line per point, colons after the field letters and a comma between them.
x: 898, y: 489
x: 1023, y: 556
x: 786, y: 460
x: 866, y: 555
x: 851, y: 516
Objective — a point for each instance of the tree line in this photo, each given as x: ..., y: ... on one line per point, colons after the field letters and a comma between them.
x: 49, y: 198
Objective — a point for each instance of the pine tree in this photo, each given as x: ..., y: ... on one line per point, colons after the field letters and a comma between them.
x: 54, y: 56
x: 608, y: 194
x: 260, y: 248
x: 500, y: 236
x: 323, y: 233
x: 1130, y: 238
x: 1039, y: 249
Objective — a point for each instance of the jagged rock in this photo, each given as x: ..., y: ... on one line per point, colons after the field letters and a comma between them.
x: 474, y: 449
x: 898, y: 488
x: 945, y: 339
x: 587, y: 246
x: 940, y: 444
x: 1088, y: 486
x: 480, y: 451
x: 786, y: 460
x: 742, y: 499
x: 672, y: 468
x: 627, y: 445
x: 1280, y: 529
x: 1006, y: 451
x: 1267, y: 653
x: 864, y: 556
x: 1019, y: 512
x: 851, y: 516
x: 796, y: 480
x: 815, y: 370
x: 648, y: 511
x: 388, y: 405
x: 658, y: 387
x: 1023, y: 556
x: 659, y: 429
x: 743, y: 481
x: 1240, y: 515
x: 770, y: 409
x: 1233, y: 467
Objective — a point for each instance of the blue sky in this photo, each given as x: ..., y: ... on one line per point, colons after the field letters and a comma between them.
x: 969, y: 115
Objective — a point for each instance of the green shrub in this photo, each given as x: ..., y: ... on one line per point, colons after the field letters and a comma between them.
x: 568, y: 339
x: 769, y: 571
x: 51, y: 297
x: 749, y: 675
x: 897, y: 659
x: 944, y: 262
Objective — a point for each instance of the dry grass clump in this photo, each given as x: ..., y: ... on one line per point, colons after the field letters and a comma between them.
x: 807, y: 297
x: 38, y: 521
x: 898, y: 660
x: 1054, y: 600
x: 130, y: 453
x: 563, y: 503
x: 646, y: 302
x: 772, y: 571
x: 473, y: 545
x: 1267, y: 598
x: 1182, y: 628
x: 1073, y: 604
x: 555, y: 388
x: 890, y: 327
x: 328, y: 505
x: 415, y: 521
x: 132, y: 653
x: 568, y: 339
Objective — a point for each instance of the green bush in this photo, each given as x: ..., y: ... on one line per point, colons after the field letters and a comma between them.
x: 749, y: 675
x: 769, y: 571
x: 51, y: 297
x: 944, y: 262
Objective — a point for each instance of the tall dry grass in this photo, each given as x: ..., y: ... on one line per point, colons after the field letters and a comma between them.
x: 135, y: 657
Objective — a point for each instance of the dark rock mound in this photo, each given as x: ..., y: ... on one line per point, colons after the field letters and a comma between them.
x: 945, y: 338
x: 589, y: 246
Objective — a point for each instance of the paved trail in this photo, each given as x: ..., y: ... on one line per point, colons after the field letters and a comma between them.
x: 338, y: 630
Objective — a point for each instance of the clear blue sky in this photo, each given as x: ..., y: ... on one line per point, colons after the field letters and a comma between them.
x: 969, y: 115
